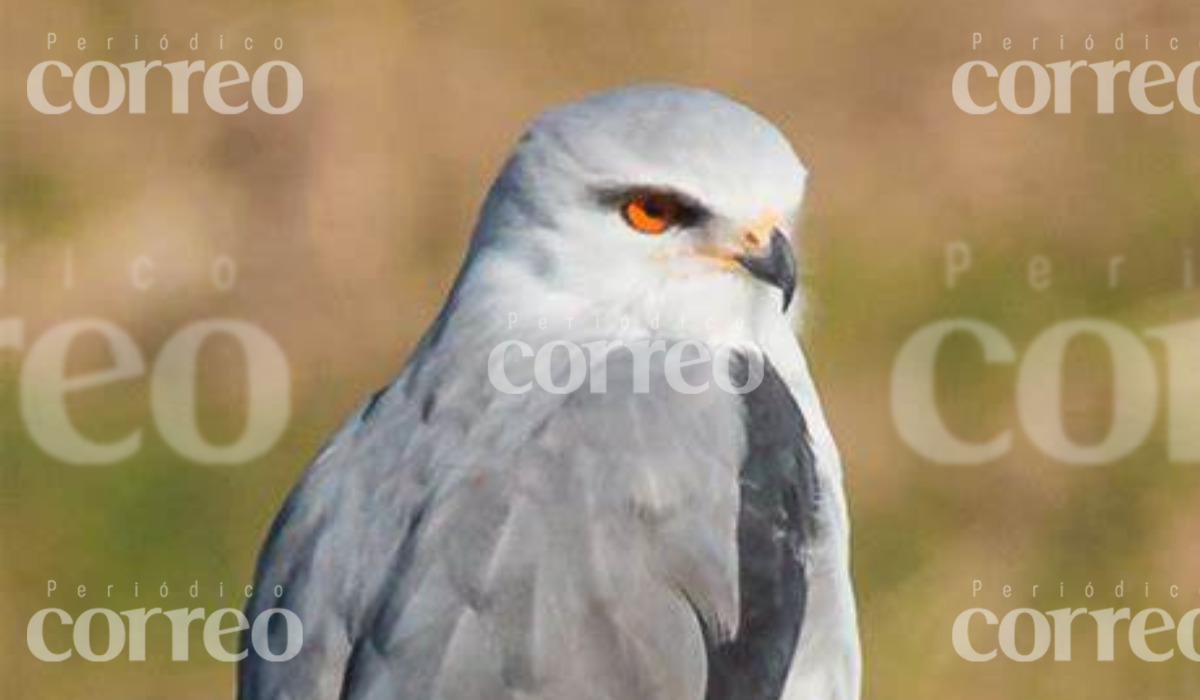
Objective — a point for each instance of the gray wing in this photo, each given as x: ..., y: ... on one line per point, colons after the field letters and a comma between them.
x: 460, y: 547
x: 324, y: 559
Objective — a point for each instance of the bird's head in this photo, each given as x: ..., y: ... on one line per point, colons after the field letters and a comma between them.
x: 649, y: 204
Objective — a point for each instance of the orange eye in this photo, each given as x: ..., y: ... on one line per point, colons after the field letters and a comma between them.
x: 652, y: 213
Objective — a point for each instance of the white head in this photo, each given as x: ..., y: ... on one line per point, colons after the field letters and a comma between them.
x: 658, y: 204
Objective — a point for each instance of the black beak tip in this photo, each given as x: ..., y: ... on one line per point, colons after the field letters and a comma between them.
x: 789, y: 293
x: 776, y: 267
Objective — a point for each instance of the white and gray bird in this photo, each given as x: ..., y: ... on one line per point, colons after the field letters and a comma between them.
x: 456, y: 541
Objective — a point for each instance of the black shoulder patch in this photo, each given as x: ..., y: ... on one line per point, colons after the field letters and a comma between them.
x: 777, y: 517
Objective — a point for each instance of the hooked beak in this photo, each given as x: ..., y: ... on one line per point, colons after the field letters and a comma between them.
x: 776, y: 265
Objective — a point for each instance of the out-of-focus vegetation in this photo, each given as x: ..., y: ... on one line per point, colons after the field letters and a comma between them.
x: 348, y: 217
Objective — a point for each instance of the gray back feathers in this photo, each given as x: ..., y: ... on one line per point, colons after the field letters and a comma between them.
x: 492, y: 546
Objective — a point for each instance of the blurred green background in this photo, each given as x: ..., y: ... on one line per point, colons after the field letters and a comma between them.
x: 348, y: 219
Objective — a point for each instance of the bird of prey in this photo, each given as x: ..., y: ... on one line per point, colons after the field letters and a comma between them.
x: 473, y: 534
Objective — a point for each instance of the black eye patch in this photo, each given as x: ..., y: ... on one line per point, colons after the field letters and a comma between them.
x: 674, y: 209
